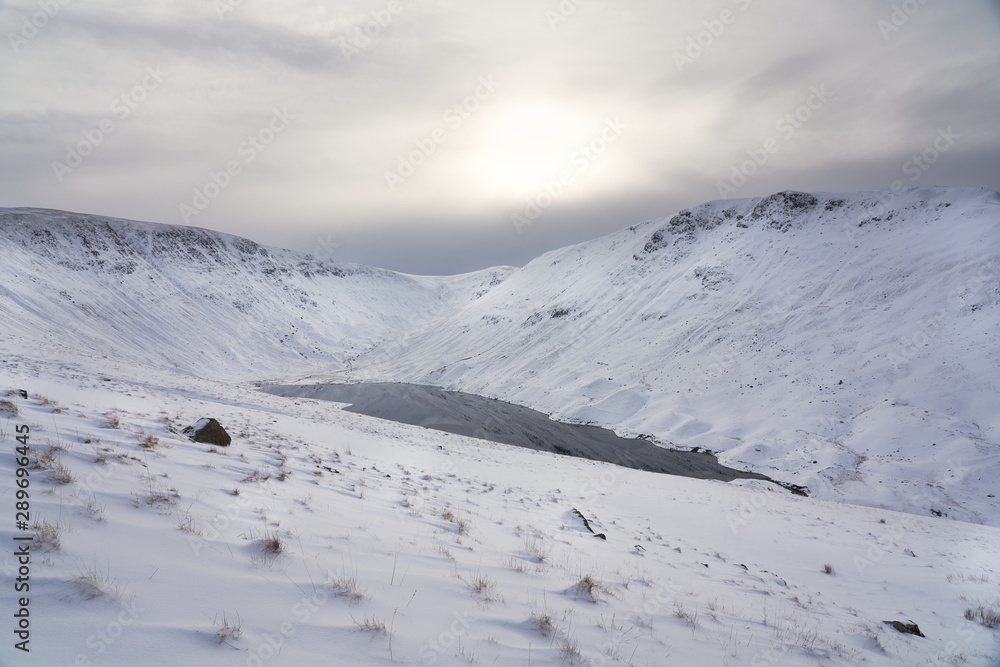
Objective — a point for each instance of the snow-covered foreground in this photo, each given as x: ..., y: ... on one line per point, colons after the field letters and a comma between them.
x: 321, y: 537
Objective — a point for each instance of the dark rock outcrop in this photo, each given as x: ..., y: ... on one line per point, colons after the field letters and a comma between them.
x: 905, y: 628
x: 208, y: 431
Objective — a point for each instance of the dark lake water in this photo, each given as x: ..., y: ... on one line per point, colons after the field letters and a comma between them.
x: 490, y: 419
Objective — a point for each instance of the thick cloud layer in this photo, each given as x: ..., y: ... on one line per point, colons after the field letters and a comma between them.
x: 441, y: 137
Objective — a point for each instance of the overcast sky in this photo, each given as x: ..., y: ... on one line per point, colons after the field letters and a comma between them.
x: 410, y: 134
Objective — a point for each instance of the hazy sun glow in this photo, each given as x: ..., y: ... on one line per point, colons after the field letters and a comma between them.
x: 528, y: 142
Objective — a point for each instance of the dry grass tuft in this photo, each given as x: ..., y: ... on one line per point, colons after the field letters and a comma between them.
x: 93, y: 508
x: 47, y: 535
x: 543, y: 622
x: 94, y: 583
x: 347, y: 587
x: 47, y: 460
x: 990, y: 617
x: 256, y: 476
x: 570, y: 651
x: 590, y: 587
x: 461, y: 525
x: 689, y: 617
x: 483, y: 585
x: 111, y: 420
x: 271, y: 545
x: 536, y: 547
x: 372, y: 625
x: 227, y: 630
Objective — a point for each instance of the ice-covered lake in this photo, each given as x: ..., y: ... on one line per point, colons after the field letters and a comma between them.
x: 498, y: 421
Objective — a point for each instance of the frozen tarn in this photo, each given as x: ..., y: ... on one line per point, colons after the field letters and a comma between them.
x: 489, y: 419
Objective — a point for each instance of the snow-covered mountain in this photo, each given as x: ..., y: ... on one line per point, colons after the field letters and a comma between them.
x: 205, y: 303
x: 846, y: 343
x: 322, y: 537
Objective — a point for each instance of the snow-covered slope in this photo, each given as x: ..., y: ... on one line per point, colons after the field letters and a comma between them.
x: 847, y: 342
x: 322, y: 537
x: 202, y: 302
x: 326, y: 537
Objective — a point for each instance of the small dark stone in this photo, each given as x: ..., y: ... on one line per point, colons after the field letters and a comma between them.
x: 22, y: 393
x: 208, y: 431
x: 906, y: 628
x: 587, y: 524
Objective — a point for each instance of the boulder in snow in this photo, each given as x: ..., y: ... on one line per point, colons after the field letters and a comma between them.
x: 209, y: 431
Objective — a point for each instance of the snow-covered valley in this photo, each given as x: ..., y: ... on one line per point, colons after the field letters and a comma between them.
x: 842, y: 342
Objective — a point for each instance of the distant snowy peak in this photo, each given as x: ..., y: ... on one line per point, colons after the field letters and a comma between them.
x: 114, y: 245
x: 203, y: 302
x: 847, y: 213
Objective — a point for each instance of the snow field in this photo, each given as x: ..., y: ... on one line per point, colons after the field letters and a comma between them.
x: 326, y: 537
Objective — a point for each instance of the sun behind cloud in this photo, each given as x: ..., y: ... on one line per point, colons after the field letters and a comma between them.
x: 527, y: 142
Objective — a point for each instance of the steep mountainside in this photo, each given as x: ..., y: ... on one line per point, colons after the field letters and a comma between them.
x: 849, y: 340
x: 205, y: 303
x: 842, y: 342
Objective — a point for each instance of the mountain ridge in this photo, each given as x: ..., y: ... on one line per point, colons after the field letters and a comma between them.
x: 839, y: 341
